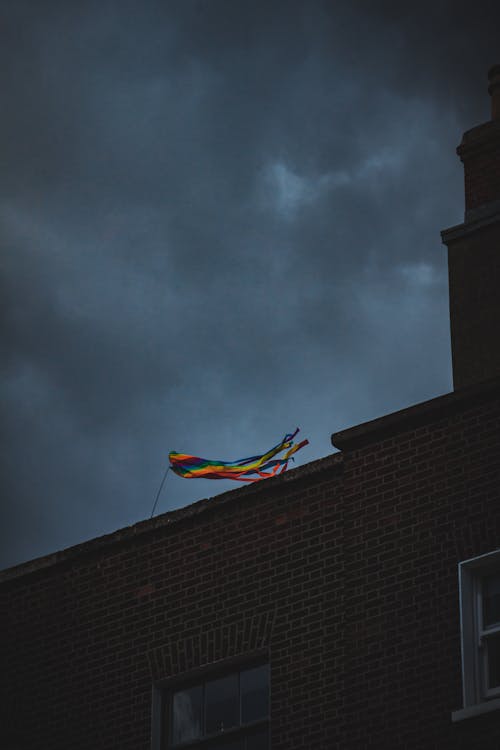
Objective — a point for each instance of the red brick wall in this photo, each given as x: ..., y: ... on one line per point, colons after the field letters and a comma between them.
x: 346, y: 576
x: 415, y: 505
x: 480, y: 153
x: 474, y: 280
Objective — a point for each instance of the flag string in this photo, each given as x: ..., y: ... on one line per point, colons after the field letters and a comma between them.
x: 159, y: 491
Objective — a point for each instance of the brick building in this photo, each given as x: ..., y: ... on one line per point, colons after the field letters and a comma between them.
x: 351, y: 603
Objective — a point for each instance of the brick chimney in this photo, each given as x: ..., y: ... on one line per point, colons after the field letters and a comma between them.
x: 474, y: 253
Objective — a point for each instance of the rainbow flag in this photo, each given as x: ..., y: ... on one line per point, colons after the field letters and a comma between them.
x: 250, y: 469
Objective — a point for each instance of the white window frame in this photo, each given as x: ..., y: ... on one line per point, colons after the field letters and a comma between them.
x: 477, y: 697
x: 164, y: 690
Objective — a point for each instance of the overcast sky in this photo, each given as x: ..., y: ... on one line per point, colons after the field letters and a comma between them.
x: 218, y: 221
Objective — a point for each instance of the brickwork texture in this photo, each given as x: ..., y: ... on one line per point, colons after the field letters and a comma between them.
x: 345, y: 576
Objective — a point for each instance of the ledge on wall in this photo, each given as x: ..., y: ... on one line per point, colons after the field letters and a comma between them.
x: 480, y: 708
x: 414, y: 416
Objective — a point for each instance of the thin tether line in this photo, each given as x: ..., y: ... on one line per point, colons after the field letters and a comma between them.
x: 159, y: 491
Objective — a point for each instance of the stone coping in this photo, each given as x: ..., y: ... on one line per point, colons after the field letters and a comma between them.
x: 415, y: 416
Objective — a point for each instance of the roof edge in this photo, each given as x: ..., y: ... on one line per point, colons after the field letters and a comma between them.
x: 163, y: 520
x: 414, y: 416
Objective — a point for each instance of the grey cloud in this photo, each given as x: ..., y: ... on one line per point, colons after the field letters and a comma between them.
x: 218, y: 220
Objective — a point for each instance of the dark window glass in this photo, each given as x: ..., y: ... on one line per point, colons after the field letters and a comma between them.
x: 254, y: 694
x: 218, y: 707
x: 491, y: 599
x: 493, y: 655
x: 258, y: 740
x: 186, y: 714
x: 222, y: 710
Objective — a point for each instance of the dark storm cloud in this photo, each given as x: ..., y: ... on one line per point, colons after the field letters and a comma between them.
x: 218, y: 220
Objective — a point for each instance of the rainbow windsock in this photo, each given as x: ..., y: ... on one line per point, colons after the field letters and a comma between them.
x: 250, y: 469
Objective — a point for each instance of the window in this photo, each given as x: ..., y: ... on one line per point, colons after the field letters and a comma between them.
x: 480, y: 631
x: 226, y: 711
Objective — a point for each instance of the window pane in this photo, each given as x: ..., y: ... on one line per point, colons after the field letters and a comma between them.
x: 493, y: 657
x: 222, y: 704
x: 259, y: 740
x: 255, y: 694
x: 186, y: 714
x: 491, y: 599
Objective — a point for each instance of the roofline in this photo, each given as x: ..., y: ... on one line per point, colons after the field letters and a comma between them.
x: 414, y: 416
x: 128, y: 533
x: 345, y: 440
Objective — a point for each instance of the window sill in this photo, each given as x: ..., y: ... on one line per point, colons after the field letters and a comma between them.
x: 480, y: 708
x: 240, y: 732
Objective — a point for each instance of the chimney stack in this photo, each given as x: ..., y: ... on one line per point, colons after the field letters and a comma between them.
x: 494, y: 91
x: 474, y: 253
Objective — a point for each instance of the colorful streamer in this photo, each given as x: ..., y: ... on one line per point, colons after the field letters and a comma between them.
x: 250, y: 469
